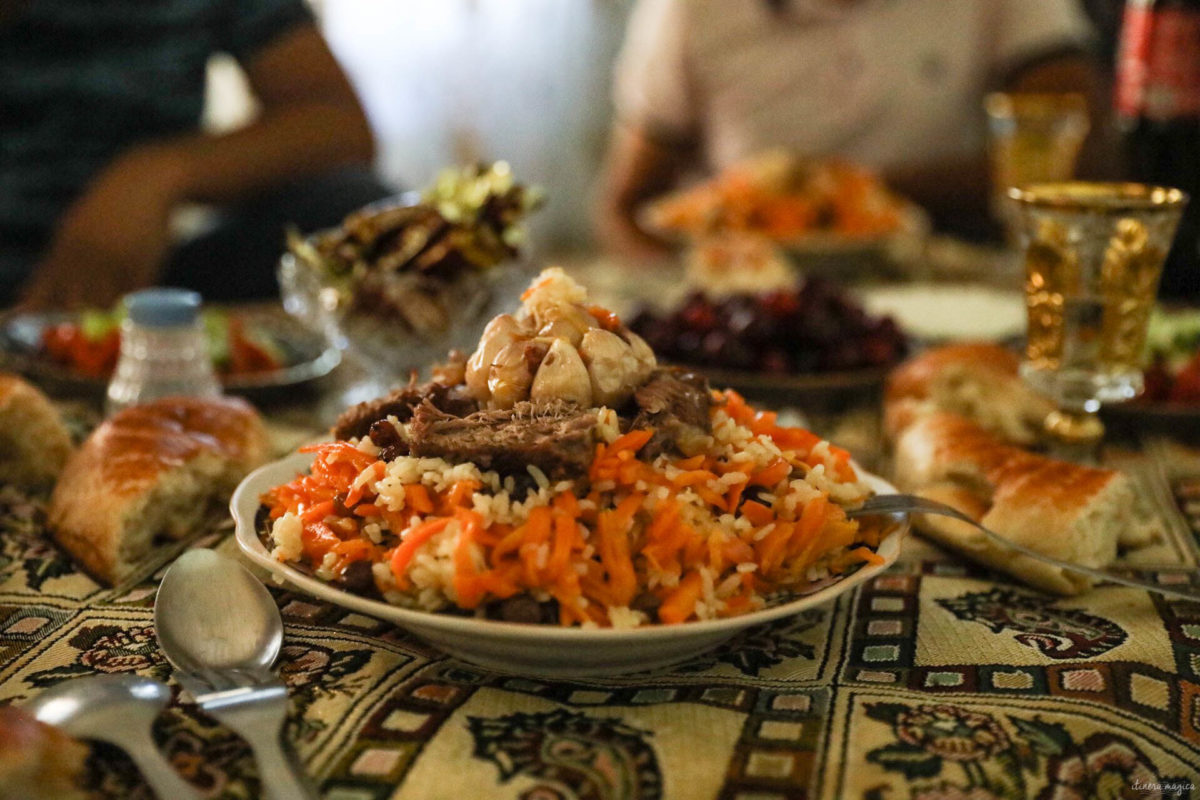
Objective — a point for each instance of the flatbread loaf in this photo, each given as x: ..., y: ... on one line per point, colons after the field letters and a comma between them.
x: 976, y: 380
x: 1071, y: 512
x: 34, y: 442
x: 152, y: 471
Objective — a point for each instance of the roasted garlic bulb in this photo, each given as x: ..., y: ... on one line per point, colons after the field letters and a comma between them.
x: 557, y: 348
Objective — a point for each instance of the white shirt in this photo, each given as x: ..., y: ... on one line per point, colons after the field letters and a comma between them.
x: 880, y: 82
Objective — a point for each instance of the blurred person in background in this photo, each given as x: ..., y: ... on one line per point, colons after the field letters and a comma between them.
x: 100, y: 129
x: 894, y: 85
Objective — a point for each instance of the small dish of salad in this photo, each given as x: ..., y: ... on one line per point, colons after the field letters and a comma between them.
x: 1170, y: 403
x: 251, y: 348
x: 1172, y: 372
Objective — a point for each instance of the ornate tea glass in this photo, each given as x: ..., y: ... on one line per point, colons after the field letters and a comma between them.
x: 1094, y: 253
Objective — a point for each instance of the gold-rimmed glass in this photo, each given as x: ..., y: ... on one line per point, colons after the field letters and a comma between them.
x: 1094, y: 253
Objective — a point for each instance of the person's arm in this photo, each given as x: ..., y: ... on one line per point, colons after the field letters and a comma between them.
x: 658, y: 113
x: 636, y: 169
x: 115, y: 236
x: 311, y: 121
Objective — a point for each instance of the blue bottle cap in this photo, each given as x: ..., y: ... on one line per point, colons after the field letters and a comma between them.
x: 163, y: 308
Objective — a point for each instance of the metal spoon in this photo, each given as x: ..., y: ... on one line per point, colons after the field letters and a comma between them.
x: 893, y: 504
x: 211, y: 613
x: 221, y: 630
x: 118, y: 709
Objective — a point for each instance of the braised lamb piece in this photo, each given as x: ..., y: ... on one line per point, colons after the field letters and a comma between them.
x: 543, y: 409
x: 400, y: 403
x: 557, y: 438
x: 676, y: 403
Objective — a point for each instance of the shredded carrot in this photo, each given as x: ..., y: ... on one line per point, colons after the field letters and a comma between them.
x: 757, y: 513
x: 537, y: 533
x: 415, y: 537
x: 811, y: 519
x: 734, y: 496
x: 867, y: 555
x: 692, y: 477
x: 772, y: 474
x: 695, y: 462
x: 317, y: 539
x: 608, y: 320
x: 632, y: 441
x: 843, y: 470
x: 355, y: 494
x: 564, y: 538
x: 737, y: 552
x: 351, y: 550
x: 460, y: 493
x: 417, y: 498
x: 771, y: 547
x: 509, y: 543
x: 567, y: 503
x: 467, y: 586
x: 712, y: 498
x: 737, y: 604
x: 681, y: 602
x: 613, y: 530
x: 593, y: 549
x: 735, y: 406
x: 502, y: 582
x: 318, y: 512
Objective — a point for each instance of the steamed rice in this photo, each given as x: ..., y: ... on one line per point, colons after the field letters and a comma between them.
x: 431, y: 576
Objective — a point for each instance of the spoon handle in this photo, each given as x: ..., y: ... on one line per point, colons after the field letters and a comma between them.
x: 163, y: 779
x: 257, y: 713
x: 278, y: 769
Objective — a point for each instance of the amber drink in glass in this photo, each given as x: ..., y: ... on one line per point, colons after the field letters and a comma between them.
x: 1032, y: 138
x: 1093, y: 257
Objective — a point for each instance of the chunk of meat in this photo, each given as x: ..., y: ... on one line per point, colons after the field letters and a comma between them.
x: 555, y: 437
x: 400, y: 403
x: 677, y: 404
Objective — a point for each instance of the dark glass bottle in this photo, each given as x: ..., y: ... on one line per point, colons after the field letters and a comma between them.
x: 1157, y: 104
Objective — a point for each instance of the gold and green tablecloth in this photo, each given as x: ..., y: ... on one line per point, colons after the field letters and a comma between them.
x: 936, y: 681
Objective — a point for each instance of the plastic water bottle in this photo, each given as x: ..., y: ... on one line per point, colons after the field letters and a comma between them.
x: 164, y: 351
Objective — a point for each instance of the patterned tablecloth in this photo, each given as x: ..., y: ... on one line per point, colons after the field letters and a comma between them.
x: 936, y: 681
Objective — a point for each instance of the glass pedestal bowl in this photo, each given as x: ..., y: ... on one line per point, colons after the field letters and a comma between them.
x: 397, y: 327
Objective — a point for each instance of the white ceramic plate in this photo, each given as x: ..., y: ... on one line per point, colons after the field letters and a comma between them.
x: 936, y: 312
x: 543, y: 650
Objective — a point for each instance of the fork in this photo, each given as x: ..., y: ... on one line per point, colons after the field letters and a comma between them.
x: 254, y: 705
x: 893, y: 504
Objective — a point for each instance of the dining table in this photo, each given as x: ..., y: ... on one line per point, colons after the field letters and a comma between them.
x: 936, y: 680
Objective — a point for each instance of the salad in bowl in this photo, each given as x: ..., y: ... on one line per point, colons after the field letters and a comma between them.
x: 403, y: 280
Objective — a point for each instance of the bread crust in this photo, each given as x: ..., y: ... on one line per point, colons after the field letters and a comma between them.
x: 34, y: 442
x: 127, y: 462
x: 979, y: 380
x: 1068, y: 511
x: 911, y: 379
